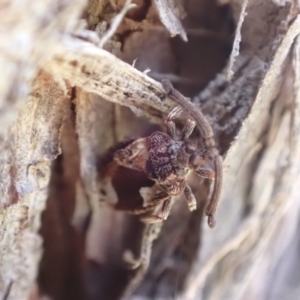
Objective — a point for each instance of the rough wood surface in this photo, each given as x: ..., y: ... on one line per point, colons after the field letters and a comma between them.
x: 97, y: 71
x: 36, y: 142
x: 64, y: 100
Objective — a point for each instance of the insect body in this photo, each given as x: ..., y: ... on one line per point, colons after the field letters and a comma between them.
x: 143, y: 175
x: 167, y: 161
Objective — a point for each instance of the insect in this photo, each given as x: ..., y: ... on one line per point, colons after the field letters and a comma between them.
x: 142, y: 175
x: 167, y: 161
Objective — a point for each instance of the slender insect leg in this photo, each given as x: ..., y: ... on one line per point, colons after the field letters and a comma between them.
x: 165, y: 210
x: 206, y: 173
x: 202, y: 123
x: 152, y: 203
x: 158, y: 198
x: 159, y: 217
x: 188, y: 129
x: 126, y: 157
x: 190, y: 198
x: 175, y: 113
x: 214, y: 201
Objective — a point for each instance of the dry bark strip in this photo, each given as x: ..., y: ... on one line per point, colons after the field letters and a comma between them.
x: 97, y: 71
x: 170, y: 15
x: 27, y: 157
x: 34, y: 28
x: 262, y: 90
x: 37, y: 143
x: 269, y: 201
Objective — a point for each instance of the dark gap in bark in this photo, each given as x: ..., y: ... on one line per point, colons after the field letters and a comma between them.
x: 210, y: 29
x: 62, y: 266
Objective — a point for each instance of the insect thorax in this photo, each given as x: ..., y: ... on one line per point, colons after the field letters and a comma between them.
x: 167, y: 158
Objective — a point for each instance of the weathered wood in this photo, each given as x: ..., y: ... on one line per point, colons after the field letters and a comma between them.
x: 62, y: 104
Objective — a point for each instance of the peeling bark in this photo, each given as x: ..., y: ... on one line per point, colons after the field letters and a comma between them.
x: 64, y: 100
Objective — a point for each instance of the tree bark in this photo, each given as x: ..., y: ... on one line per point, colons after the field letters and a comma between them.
x: 70, y: 92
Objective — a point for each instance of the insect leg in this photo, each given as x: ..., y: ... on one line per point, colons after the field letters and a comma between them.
x: 133, y: 155
x: 159, y: 217
x: 175, y: 113
x: 165, y: 210
x: 206, y: 171
x: 203, y: 125
x: 190, y: 198
x: 214, y: 201
x: 188, y: 129
x: 152, y: 203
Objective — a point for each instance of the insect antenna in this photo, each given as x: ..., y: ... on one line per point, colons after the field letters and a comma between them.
x: 203, y: 125
x: 214, y: 201
x: 206, y: 133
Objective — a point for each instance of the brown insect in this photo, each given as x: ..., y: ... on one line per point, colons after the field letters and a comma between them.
x: 142, y: 176
x: 167, y: 161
